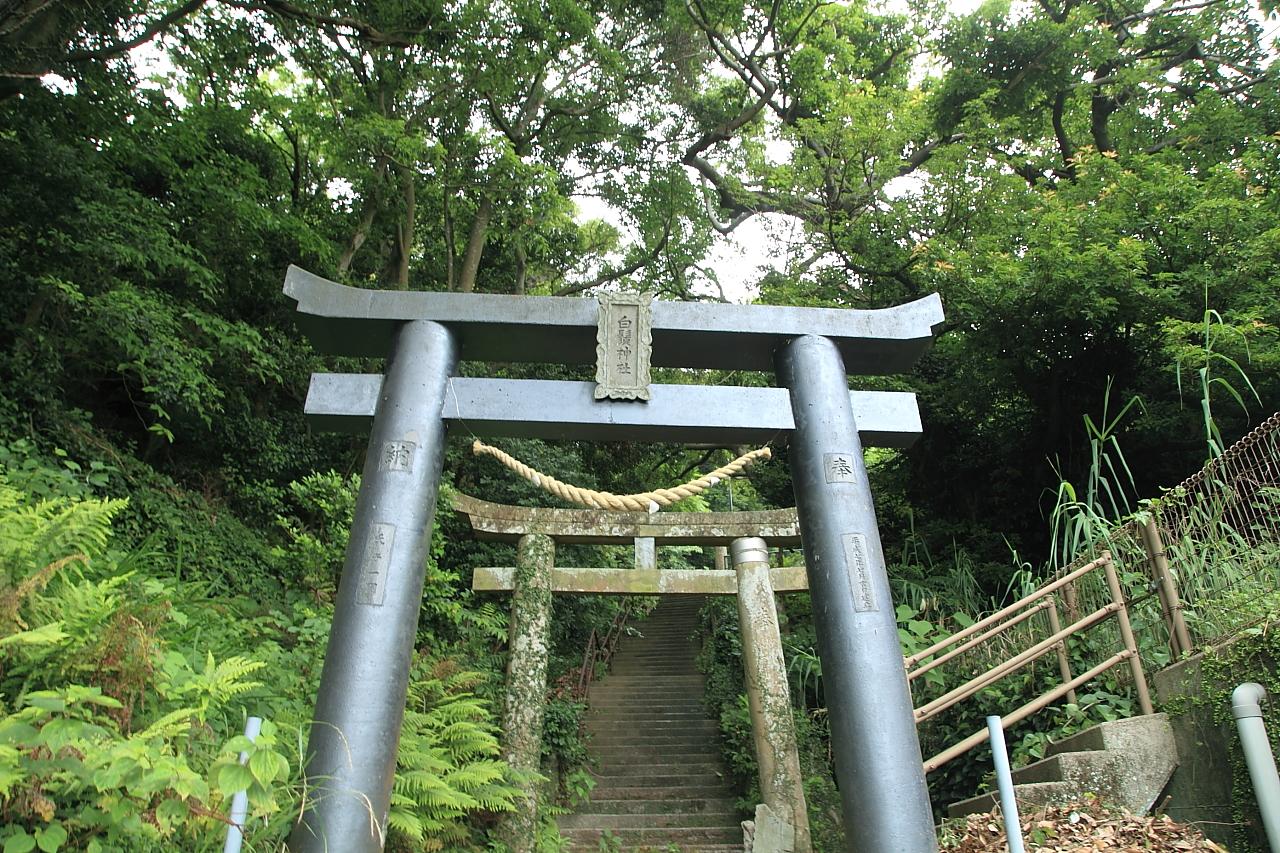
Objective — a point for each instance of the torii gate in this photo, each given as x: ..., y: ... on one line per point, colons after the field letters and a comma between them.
x: 535, y: 577
x: 351, y: 753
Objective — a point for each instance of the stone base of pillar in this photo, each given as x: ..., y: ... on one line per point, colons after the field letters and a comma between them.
x: 768, y: 833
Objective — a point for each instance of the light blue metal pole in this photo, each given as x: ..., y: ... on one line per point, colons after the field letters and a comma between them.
x: 1004, y: 780
x: 240, y: 802
x: 1246, y: 708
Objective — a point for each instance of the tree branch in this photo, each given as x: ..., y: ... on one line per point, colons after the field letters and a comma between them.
x: 624, y: 271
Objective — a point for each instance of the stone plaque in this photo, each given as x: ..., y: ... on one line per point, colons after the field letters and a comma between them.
x: 624, y: 341
x: 858, y: 563
x: 397, y: 456
x: 372, y: 586
x: 838, y: 466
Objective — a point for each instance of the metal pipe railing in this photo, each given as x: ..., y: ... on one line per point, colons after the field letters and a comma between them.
x: 912, y: 675
x: 1013, y: 664
x: 992, y: 626
x: 1064, y: 661
x: 999, y: 615
x: 1126, y: 634
x: 960, y: 748
x: 601, y: 649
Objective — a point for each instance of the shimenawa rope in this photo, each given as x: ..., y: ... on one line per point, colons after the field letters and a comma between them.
x: 643, y: 502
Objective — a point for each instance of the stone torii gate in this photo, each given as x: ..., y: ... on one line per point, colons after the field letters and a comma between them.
x: 535, y: 578
x: 351, y: 752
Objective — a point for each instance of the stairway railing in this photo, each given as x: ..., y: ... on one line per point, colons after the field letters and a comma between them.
x: 600, y: 649
x: 1207, y: 545
x: 998, y: 625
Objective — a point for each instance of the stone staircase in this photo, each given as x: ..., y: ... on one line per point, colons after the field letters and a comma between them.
x: 1127, y: 763
x: 661, y: 785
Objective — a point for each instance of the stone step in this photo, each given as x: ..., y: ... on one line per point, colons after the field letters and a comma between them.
x: 686, y: 805
x: 681, y: 820
x: 690, y: 838
x: 663, y: 753
x: 639, y: 793
x: 672, y: 769
x: 618, y: 740
x: 1030, y: 795
x: 651, y: 705
x: 668, y: 712
x: 1118, y: 735
x: 614, y: 780
x: 636, y: 721
x: 657, y: 692
x: 690, y: 720
x: 1078, y: 767
x: 650, y: 848
x: 645, y: 679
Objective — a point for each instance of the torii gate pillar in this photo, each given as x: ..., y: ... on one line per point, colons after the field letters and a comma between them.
x: 877, y: 754
x: 352, y: 748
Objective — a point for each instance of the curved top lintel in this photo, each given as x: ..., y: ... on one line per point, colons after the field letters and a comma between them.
x: 492, y: 327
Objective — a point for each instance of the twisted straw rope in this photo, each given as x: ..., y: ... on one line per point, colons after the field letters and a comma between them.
x: 643, y: 502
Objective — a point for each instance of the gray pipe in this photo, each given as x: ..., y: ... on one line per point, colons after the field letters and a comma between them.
x: 1245, y: 708
x: 1004, y: 781
x: 240, y: 801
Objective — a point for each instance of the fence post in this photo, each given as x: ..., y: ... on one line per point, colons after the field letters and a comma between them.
x: 1126, y: 634
x: 1170, y: 601
x: 1064, y: 662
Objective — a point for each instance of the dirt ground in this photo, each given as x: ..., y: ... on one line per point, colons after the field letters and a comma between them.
x: 1078, y: 828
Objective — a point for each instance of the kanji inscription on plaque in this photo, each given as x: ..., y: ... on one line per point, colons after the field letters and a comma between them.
x: 856, y: 558
x: 396, y: 456
x: 624, y: 341
x: 372, y: 585
x: 839, y: 467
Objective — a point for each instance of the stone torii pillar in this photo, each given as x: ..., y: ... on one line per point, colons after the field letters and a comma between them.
x: 772, y: 725
x: 350, y: 760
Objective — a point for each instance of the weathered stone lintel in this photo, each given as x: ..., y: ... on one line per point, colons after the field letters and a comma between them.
x: 640, y: 581
x: 605, y: 527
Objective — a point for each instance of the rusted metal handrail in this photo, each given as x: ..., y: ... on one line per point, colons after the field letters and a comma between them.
x: 998, y: 623
x: 1007, y: 720
x: 601, y: 648
x: 976, y: 641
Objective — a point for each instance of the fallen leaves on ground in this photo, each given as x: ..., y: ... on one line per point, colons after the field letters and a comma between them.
x: 1076, y: 828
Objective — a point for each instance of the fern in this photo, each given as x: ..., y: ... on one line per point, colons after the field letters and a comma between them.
x: 447, y: 766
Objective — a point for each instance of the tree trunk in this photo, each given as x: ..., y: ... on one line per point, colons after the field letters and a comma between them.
x: 522, y: 265
x: 475, y: 245
x: 357, y: 239
x: 450, y: 245
x: 404, y: 234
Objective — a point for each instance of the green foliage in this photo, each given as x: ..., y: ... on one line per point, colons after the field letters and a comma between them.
x: 122, y: 694
x: 86, y: 762
x: 448, y: 766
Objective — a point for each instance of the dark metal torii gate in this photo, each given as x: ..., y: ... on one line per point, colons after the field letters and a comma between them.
x: 352, y: 748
